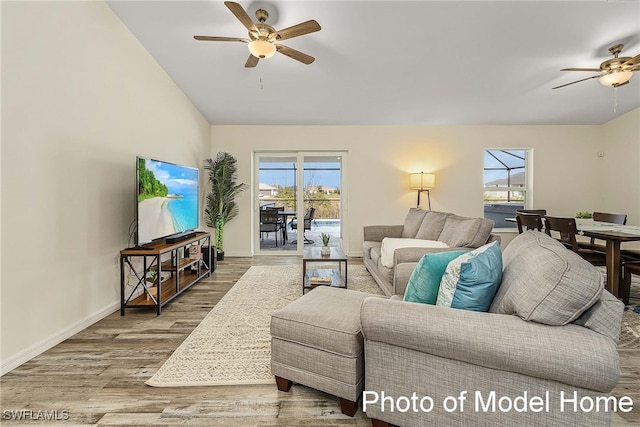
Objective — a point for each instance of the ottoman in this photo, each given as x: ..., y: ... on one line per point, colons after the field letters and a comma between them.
x: 316, y: 341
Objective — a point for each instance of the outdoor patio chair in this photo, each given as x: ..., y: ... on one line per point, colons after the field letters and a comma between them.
x: 270, y: 223
x: 567, y: 229
x: 308, y: 217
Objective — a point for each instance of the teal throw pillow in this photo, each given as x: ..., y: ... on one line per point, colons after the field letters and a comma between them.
x: 471, y: 281
x: 425, y: 280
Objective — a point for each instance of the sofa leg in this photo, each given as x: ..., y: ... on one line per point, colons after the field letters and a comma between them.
x: 348, y: 407
x: 283, y: 384
x: 378, y: 423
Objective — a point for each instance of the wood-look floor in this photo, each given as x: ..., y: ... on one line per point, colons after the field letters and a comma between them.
x: 97, y: 376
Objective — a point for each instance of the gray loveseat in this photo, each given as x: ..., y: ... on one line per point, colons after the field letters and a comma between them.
x: 548, y: 341
x: 456, y: 231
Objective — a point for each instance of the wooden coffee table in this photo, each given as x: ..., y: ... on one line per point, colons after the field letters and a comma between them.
x: 312, y: 277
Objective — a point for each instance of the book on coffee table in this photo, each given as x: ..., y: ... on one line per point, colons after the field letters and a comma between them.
x: 319, y: 280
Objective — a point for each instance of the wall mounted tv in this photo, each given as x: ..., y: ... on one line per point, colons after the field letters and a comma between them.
x: 167, y: 200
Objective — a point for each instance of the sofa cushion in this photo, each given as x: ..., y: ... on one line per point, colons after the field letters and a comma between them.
x: 424, y: 282
x: 460, y: 231
x: 545, y: 282
x: 470, y: 281
x: 390, y: 244
x: 375, y: 254
x: 412, y: 222
x: 604, y: 316
x: 367, y: 246
x: 432, y: 225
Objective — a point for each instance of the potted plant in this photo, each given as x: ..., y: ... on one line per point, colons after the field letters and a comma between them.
x: 220, y: 204
x: 326, y: 250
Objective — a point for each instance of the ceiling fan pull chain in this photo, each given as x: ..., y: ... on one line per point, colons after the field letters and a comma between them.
x: 615, y: 99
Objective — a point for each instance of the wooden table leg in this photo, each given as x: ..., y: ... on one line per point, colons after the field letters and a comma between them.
x: 613, y: 266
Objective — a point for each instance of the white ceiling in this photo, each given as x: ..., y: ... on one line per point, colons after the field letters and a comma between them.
x: 397, y: 63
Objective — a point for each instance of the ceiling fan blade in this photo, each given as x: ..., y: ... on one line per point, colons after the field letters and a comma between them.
x: 635, y: 68
x: 582, y: 69
x: 220, y: 39
x: 577, y: 81
x: 252, y: 61
x: 633, y: 61
x: 307, y: 27
x: 295, y: 54
x: 242, y: 16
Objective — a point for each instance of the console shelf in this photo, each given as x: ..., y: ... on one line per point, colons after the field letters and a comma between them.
x: 184, y: 271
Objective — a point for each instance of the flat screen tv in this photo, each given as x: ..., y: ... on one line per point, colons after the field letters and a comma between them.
x: 167, y: 200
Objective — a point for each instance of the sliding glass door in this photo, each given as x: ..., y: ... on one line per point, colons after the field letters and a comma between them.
x: 298, y: 196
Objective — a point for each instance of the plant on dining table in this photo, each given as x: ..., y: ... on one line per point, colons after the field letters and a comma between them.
x: 584, y: 215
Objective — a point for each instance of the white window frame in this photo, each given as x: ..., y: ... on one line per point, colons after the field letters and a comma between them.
x: 528, y: 178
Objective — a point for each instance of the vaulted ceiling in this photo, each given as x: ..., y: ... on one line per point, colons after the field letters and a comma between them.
x: 397, y: 63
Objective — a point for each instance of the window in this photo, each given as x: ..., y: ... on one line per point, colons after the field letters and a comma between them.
x: 506, y: 184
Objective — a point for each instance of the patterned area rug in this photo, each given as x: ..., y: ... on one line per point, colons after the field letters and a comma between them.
x: 630, y: 330
x: 232, y: 344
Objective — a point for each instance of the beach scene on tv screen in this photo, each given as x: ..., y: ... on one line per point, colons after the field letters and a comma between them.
x: 167, y: 199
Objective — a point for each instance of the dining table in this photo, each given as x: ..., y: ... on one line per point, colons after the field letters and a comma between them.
x: 613, y: 235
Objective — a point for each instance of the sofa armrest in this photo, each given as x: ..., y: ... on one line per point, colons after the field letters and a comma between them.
x: 570, y: 354
x: 401, y: 274
x: 375, y: 233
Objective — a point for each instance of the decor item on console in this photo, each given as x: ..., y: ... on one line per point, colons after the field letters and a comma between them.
x: 422, y: 182
x: 550, y: 332
x: 422, y: 232
x: 325, y: 250
x: 221, y: 206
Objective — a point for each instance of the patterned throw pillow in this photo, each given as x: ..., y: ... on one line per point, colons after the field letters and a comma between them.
x: 424, y: 282
x: 470, y: 281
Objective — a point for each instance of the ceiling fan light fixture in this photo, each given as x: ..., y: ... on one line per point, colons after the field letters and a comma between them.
x: 262, y: 48
x: 616, y: 78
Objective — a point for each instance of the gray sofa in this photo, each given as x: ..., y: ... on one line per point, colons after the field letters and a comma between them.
x: 456, y: 231
x: 552, y: 331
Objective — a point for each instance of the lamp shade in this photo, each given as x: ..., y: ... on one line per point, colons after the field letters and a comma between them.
x: 262, y: 48
x: 422, y: 181
x: 616, y: 78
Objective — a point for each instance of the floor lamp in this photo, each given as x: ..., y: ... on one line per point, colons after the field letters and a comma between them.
x: 422, y: 182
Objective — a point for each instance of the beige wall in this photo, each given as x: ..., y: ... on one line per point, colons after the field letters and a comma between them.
x: 620, y: 185
x: 568, y: 173
x: 80, y: 99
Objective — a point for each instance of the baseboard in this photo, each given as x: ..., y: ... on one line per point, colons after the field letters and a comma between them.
x: 24, y: 356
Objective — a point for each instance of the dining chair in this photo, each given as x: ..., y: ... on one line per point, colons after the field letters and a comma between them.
x: 527, y: 221
x: 610, y: 217
x: 630, y: 268
x: 604, y: 217
x: 541, y: 212
x: 567, y: 229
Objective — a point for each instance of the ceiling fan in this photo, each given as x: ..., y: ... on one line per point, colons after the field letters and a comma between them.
x: 263, y: 37
x: 614, y: 72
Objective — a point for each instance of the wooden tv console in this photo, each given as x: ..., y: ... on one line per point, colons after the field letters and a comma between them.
x: 184, y: 271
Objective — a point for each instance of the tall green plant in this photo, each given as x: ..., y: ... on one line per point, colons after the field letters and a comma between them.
x: 221, y: 206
